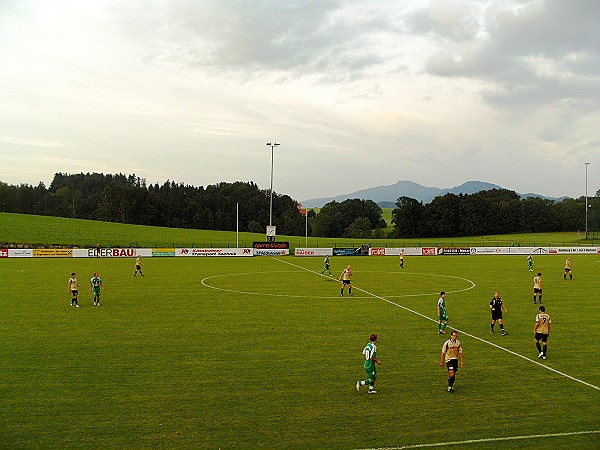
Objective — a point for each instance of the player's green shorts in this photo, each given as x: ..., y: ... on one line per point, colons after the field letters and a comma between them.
x: 443, y: 315
x: 96, y: 291
x: 371, y: 371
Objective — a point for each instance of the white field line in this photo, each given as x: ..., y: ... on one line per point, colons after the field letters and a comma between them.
x: 460, y: 331
x: 477, y: 441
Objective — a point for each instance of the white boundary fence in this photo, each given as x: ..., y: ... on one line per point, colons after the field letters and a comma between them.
x: 310, y: 252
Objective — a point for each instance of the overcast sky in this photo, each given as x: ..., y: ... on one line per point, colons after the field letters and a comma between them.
x: 359, y: 93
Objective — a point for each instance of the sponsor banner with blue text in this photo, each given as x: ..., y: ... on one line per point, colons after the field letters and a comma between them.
x: 271, y: 252
x: 351, y: 251
x: 313, y: 252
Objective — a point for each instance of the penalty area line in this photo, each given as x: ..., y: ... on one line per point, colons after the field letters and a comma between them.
x: 477, y: 441
x: 558, y: 372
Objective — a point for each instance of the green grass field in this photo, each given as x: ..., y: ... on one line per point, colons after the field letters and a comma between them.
x: 263, y: 353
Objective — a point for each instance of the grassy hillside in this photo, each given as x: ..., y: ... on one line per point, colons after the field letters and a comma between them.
x: 30, y: 231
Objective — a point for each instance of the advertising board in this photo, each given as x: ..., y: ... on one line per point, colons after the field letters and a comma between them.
x: 52, y: 252
x: 313, y: 251
x: 271, y: 245
x: 453, y: 251
x: 272, y: 252
x: 574, y: 250
x: 411, y: 251
x: 20, y: 252
x: 188, y: 252
x: 112, y: 252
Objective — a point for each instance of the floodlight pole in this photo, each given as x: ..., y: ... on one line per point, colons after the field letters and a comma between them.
x: 306, y: 226
x: 586, y: 200
x: 272, y: 145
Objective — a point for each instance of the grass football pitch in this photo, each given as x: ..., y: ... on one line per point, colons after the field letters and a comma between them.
x: 263, y: 353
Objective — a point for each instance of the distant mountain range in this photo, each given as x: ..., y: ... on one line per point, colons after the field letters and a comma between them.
x: 386, y: 196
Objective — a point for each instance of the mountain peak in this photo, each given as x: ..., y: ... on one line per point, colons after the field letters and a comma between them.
x: 405, y: 188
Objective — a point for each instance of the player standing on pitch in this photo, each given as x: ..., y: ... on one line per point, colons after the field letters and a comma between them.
x: 568, y: 270
x: 138, y: 266
x: 345, y: 279
x: 496, y: 307
x: 542, y: 331
x: 530, y: 262
x: 95, y: 288
x: 72, y: 288
x: 441, y: 313
x: 537, y: 287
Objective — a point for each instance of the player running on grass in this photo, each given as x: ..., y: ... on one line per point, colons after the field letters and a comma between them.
x: 370, y: 364
x: 326, y: 266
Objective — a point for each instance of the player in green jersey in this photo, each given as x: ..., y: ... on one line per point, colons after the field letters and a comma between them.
x: 370, y: 364
x: 326, y: 266
x: 530, y: 263
x: 95, y: 288
x: 441, y: 313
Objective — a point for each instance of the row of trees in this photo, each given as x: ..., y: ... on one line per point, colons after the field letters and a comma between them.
x: 127, y: 199
x: 497, y: 211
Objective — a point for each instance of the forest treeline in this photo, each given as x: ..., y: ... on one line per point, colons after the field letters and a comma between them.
x: 243, y: 206
x: 496, y: 211
x: 128, y: 199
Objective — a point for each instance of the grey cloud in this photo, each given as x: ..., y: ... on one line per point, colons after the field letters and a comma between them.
x: 322, y: 37
x: 457, y: 21
x: 539, y: 53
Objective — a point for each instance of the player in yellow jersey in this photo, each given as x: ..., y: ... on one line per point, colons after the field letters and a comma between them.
x: 451, y: 353
x: 138, y: 266
x: 568, y: 270
x: 542, y: 331
x: 72, y: 289
x: 537, y: 287
x: 345, y: 279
